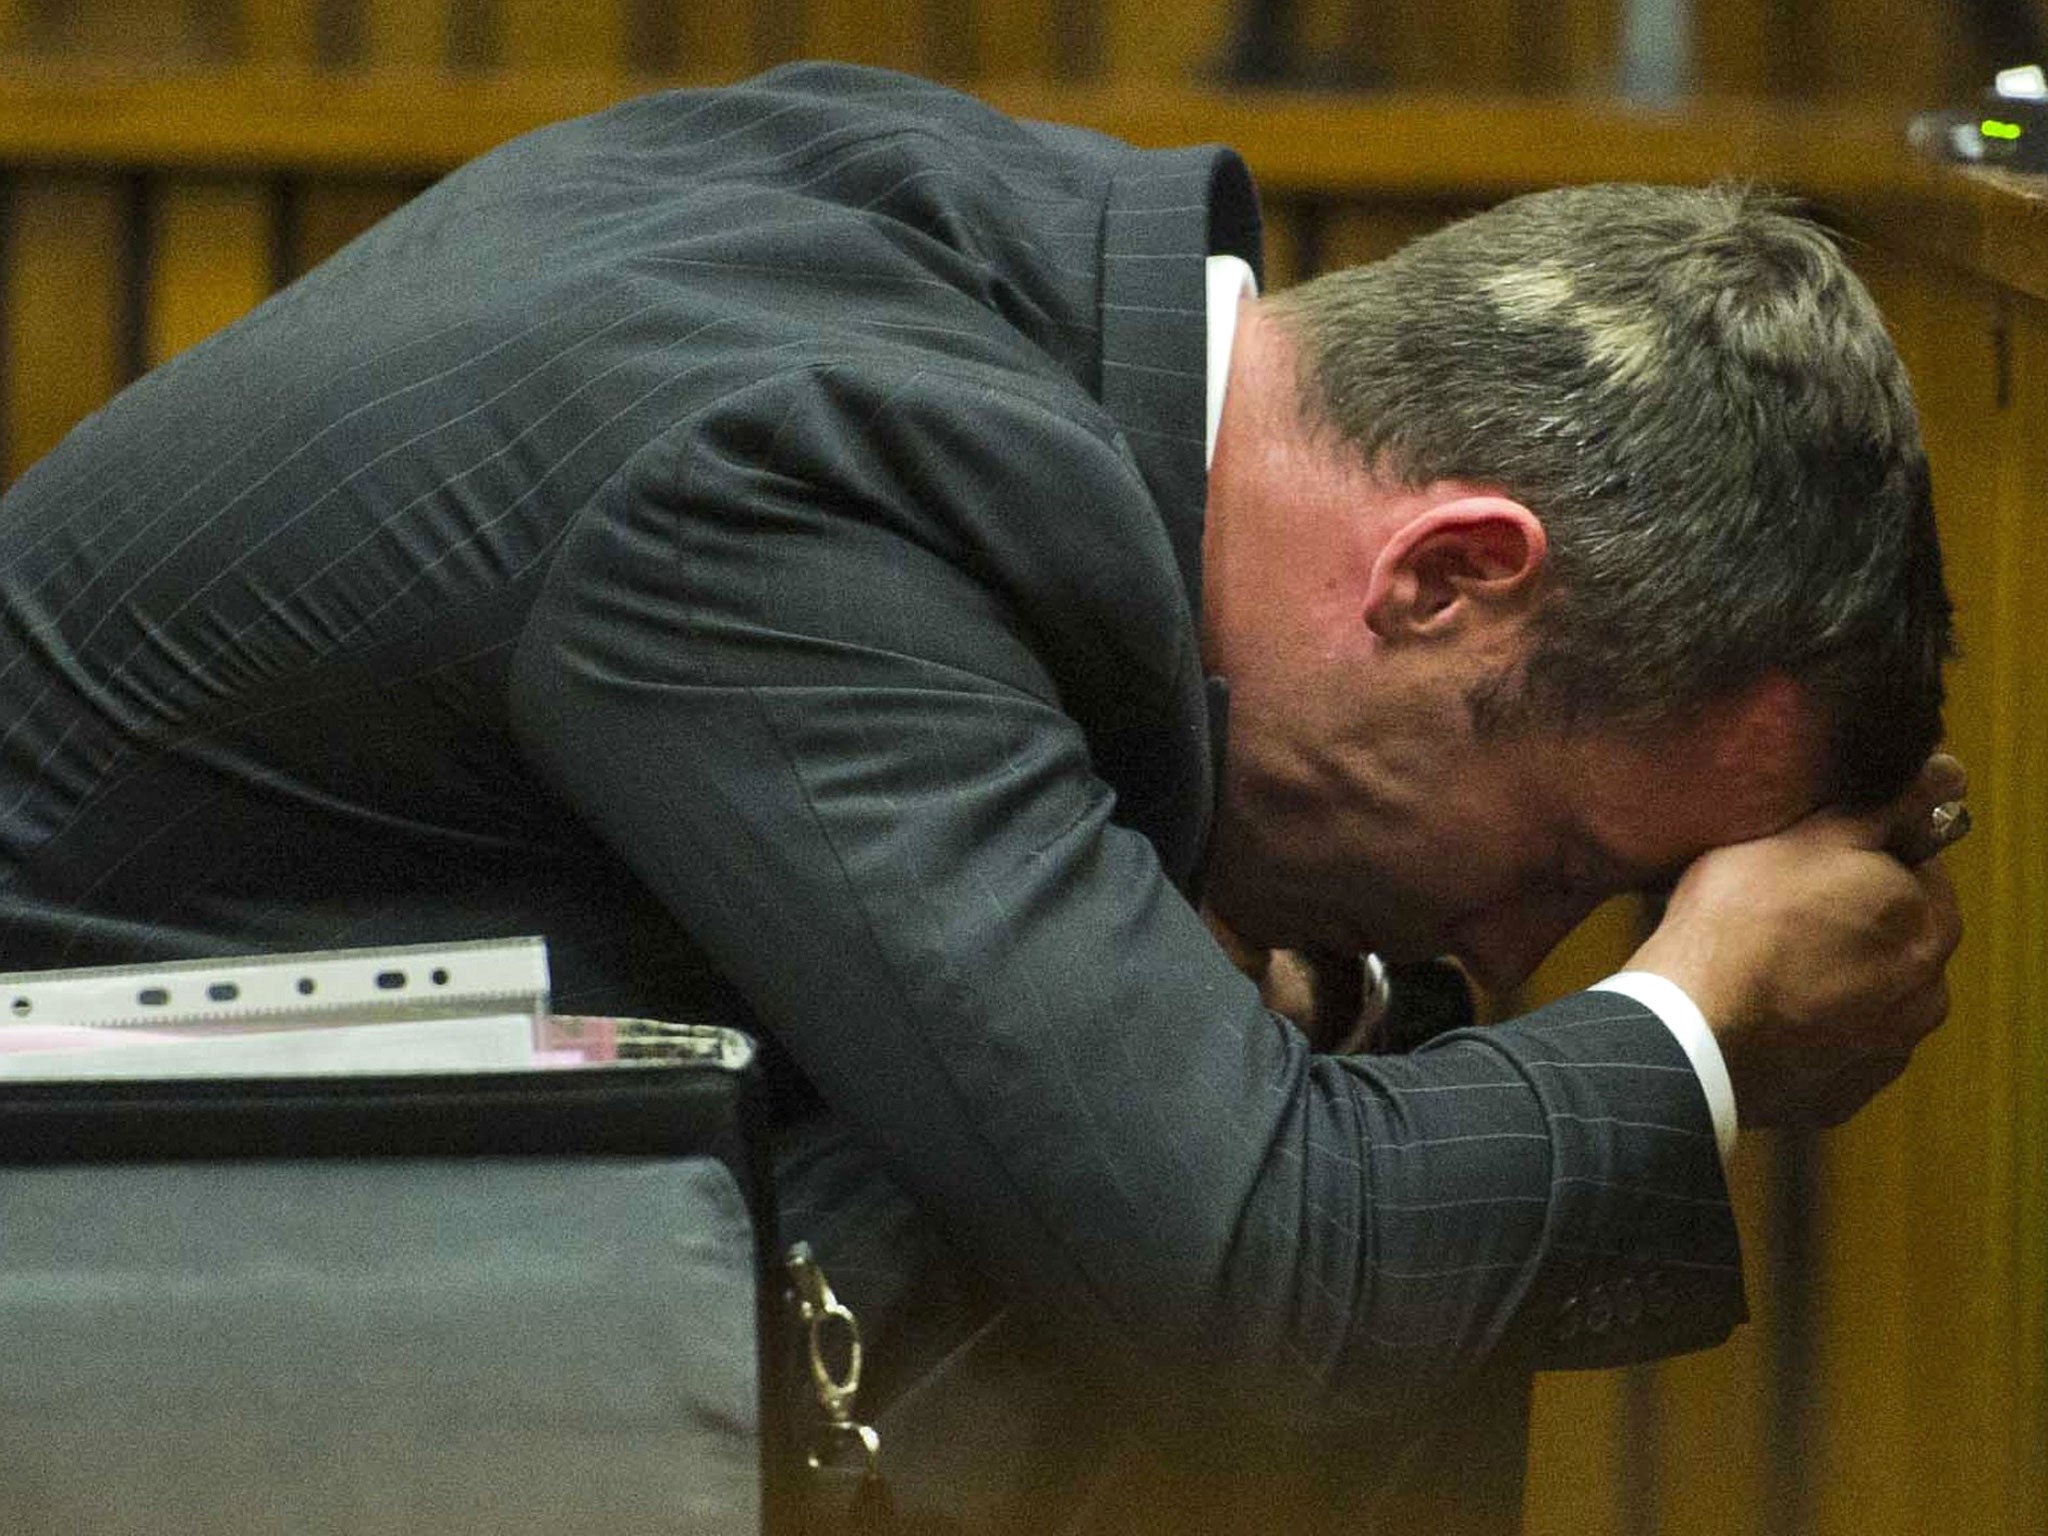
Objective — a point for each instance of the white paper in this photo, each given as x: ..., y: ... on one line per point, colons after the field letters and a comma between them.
x: 490, y: 1043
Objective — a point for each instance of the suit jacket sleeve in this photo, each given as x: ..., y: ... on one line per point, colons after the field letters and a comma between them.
x: 812, y: 662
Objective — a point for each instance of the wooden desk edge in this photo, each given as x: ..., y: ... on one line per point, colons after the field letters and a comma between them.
x: 1850, y: 160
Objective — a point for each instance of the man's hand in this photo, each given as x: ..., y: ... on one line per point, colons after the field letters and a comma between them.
x: 1320, y: 994
x: 1817, y: 955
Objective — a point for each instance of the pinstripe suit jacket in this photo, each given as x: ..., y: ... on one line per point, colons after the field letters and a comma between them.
x: 752, y: 537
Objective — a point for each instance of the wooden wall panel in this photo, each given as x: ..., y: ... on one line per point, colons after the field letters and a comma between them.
x: 212, y: 259
x: 62, y: 308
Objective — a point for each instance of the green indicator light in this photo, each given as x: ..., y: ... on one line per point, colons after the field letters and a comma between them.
x: 1992, y: 128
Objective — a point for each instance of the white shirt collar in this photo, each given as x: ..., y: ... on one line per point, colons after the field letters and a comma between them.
x: 1230, y: 278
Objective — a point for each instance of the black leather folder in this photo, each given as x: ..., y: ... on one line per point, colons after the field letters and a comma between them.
x: 510, y: 1303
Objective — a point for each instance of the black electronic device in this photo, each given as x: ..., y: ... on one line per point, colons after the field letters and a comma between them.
x: 2007, y: 127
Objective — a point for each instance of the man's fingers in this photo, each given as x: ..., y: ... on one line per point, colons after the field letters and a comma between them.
x: 1931, y: 815
x: 1943, y: 778
x: 1927, y: 818
x: 1905, y: 824
x: 1915, y: 837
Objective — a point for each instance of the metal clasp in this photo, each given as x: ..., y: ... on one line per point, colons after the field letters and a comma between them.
x: 832, y: 1334
x: 826, y: 1320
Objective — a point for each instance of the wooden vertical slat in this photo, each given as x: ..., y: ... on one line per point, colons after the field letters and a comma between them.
x: 405, y: 36
x: 1018, y: 41
x: 13, y: 27
x: 211, y: 261
x: 1289, y: 238
x: 1137, y: 46
x: 778, y: 30
x: 474, y: 33
x: 1385, y: 44
x: 1577, y: 1447
x: 650, y: 37
x: 584, y: 36
x: 329, y: 214
x: 278, y: 32
x: 1580, y: 1450
x: 62, y: 308
x: 150, y: 32
x: 714, y: 42
x: 1485, y: 48
x: 1589, y: 44
x: 1713, y: 1456
x: 1735, y: 44
x: 214, y: 30
x: 948, y: 44
x: 886, y: 32
x: 47, y: 23
x: 1494, y: 45
x: 1319, y: 31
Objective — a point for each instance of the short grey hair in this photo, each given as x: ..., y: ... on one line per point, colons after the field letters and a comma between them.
x: 1700, y: 401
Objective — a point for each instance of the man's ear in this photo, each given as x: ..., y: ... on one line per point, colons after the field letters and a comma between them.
x: 1452, y: 559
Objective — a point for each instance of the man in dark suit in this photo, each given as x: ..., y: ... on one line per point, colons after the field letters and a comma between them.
x: 757, y: 539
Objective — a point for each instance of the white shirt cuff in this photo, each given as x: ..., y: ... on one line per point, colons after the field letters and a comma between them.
x: 1667, y: 999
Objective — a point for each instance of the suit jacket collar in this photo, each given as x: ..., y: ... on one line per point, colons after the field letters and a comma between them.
x: 1167, y: 212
